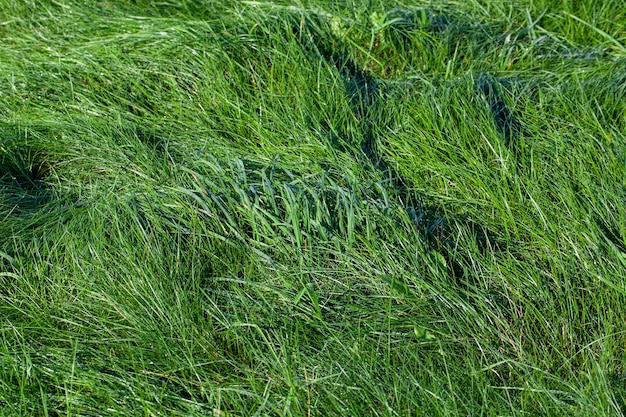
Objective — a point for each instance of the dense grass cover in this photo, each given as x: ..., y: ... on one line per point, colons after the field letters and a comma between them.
x: 312, y: 208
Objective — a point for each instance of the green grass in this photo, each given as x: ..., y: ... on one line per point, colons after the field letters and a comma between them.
x: 313, y: 208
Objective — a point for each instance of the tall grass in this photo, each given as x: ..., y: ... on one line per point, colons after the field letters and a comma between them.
x: 312, y: 208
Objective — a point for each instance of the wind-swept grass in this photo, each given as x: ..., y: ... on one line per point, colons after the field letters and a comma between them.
x: 318, y: 208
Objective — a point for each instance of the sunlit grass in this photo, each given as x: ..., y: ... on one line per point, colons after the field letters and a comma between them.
x: 321, y: 208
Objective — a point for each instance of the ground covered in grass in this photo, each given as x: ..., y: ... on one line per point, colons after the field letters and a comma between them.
x: 313, y: 208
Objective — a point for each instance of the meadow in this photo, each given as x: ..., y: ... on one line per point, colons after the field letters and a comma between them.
x: 312, y: 208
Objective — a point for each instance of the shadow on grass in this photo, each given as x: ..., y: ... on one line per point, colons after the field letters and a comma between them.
x: 402, y: 23
x: 618, y: 384
x: 504, y: 117
x: 368, y: 95
x: 612, y: 235
x: 151, y: 138
x: 23, y: 186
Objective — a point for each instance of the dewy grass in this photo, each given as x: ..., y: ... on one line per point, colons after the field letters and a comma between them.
x: 334, y: 208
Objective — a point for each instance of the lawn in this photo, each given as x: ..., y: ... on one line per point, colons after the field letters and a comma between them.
x: 312, y: 208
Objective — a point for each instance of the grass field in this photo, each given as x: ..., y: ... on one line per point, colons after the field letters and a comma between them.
x: 313, y: 208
